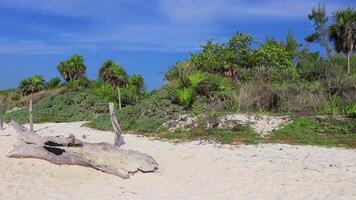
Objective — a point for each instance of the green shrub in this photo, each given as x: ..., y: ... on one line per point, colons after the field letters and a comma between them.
x: 105, y: 91
x: 274, y: 63
x: 79, y: 84
x: 74, y: 106
x: 185, y: 96
x: 317, y: 131
x: 148, y: 115
x: 54, y: 83
x: 195, y: 78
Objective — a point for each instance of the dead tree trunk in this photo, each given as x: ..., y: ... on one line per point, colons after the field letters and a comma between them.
x: 119, y: 96
x: 115, y: 124
x: 70, y: 151
x: 30, y: 116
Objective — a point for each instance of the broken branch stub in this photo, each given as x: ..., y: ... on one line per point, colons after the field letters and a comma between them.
x: 30, y: 115
x: 70, y: 151
x: 115, y: 124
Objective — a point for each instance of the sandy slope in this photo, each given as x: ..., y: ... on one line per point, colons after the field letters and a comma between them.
x: 187, y: 171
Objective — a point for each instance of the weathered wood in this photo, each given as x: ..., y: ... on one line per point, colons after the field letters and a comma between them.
x: 30, y: 116
x: 70, y: 151
x: 115, y: 124
x: 1, y: 122
x: 119, y: 96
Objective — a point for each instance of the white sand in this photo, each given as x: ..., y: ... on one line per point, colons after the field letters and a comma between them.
x: 187, y: 171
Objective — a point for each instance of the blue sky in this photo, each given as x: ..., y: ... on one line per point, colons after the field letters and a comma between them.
x: 145, y: 36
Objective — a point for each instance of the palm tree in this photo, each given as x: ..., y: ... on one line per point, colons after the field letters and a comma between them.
x: 343, y: 33
x: 31, y: 85
x: 73, y: 68
x: 137, y: 82
x: 115, y: 75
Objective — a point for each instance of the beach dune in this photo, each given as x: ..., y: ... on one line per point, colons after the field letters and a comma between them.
x: 192, y: 170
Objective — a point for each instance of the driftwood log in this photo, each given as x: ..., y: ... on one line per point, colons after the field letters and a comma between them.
x: 105, y: 157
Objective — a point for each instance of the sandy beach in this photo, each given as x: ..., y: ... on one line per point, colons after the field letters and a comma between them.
x: 186, y: 171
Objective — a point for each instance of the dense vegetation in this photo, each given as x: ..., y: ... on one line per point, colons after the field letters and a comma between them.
x: 72, y: 106
x: 239, y: 75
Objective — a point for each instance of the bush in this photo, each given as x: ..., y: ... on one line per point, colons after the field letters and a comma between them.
x: 74, y: 106
x: 79, y: 84
x: 310, y: 66
x: 258, y: 96
x: 54, y: 83
x: 130, y: 95
x: 148, y: 115
x: 185, y: 96
x: 288, y: 98
x: 317, y: 131
x: 105, y: 91
x: 275, y: 60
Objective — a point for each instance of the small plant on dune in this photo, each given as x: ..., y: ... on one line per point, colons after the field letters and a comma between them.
x: 198, y: 108
x: 196, y: 78
x: 185, y: 96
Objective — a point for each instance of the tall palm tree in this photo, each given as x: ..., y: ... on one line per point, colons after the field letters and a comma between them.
x: 343, y: 33
x: 73, y: 68
x: 115, y: 75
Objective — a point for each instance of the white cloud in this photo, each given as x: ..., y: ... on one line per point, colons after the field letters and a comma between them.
x: 85, y: 8
x: 40, y: 47
x: 205, y: 10
x: 145, y: 25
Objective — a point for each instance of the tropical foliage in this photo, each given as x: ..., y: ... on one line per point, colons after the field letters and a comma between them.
x: 241, y: 74
x: 73, y: 68
x: 54, y: 83
x: 343, y: 32
x: 113, y: 74
x: 320, y: 35
x: 31, y: 85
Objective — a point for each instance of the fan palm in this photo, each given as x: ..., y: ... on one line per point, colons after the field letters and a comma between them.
x: 185, y: 96
x: 137, y: 82
x: 343, y: 33
x: 73, y: 68
x: 195, y: 78
x: 115, y: 75
x: 31, y: 85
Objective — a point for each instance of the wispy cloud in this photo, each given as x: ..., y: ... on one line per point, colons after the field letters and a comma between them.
x: 39, y: 47
x: 143, y: 25
x: 72, y: 7
x: 204, y: 10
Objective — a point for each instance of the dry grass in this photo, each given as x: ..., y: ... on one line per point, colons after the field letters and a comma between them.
x: 296, y: 98
x: 43, y: 94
